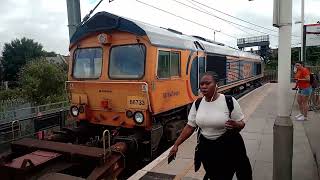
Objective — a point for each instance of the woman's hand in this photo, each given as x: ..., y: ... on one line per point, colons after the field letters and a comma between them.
x: 173, y: 151
x: 230, y: 124
x: 185, y: 134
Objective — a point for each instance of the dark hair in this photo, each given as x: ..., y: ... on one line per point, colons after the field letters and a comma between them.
x: 213, y: 74
x: 299, y: 62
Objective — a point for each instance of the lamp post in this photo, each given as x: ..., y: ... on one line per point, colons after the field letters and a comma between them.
x: 301, y: 41
x: 74, y: 15
x: 302, y: 34
x: 283, y: 127
x: 302, y: 31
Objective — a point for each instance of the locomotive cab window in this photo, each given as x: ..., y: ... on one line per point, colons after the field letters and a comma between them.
x: 87, y: 63
x: 127, y: 61
x: 168, y: 64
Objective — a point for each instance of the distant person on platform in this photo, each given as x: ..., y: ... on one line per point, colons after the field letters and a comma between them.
x: 302, y: 78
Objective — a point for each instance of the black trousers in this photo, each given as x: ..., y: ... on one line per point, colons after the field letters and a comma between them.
x: 223, y: 157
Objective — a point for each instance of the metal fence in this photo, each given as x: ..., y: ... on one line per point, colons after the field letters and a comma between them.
x: 30, y: 112
x: 41, y: 119
x: 270, y: 76
x: 7, y: 105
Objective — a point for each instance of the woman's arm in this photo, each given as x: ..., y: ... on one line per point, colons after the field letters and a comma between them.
x: 185, y: 134
x: 307, y: 78
x: 237, y: 120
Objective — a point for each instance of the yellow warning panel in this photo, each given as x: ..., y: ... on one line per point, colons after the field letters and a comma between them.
x: 137, y: 102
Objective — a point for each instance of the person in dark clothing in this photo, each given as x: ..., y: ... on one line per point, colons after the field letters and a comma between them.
x: 220, y: 145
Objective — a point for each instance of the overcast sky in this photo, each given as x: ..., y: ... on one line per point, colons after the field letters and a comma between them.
x: 46, y: 21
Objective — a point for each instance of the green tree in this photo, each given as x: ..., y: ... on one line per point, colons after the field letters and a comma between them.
x: 16, y: 54
x: 295, y: 54
x: 1, y: 70
x: 43, y: 82
x: 313, y: 55
x: 272, y: 63
x: 10, y: 94
x: 49, y: 54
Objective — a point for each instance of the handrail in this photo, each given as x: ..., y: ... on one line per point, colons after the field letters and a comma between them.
x: 104, y: 143
x: 27, y: 135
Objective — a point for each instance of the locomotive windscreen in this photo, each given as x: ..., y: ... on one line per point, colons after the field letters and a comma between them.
x: 217, y: 63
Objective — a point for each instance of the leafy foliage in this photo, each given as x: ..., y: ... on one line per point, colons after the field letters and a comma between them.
x: 10, y: 94
x: 49, y: 54
x: 312, y: 57
x: 1, y: 71
x: 16, y: 54
x: 43, y: 82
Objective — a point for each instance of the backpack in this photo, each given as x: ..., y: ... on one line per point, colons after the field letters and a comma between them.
x: 314, y: 80
x: 229, y: 102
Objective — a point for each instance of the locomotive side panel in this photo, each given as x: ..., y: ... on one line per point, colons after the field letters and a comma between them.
x: 170, y: 84
x: 246, y: 69
x: 233, y: 70
x: 249, y: 68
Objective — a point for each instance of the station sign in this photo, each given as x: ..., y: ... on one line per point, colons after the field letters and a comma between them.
x: 312, y: 34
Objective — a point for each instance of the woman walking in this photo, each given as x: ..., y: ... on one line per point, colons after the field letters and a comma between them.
x: 220, y: 148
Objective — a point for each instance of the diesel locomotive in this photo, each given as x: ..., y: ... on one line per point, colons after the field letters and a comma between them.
x: 138, y: 81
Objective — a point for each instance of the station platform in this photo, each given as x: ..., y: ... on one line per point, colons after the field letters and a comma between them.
x: 259, y: 107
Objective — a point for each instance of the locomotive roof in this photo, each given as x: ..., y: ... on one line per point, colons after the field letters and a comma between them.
x: 107, y: 22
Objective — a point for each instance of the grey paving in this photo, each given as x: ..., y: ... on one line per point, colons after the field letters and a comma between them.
x: 260, y: 110
x: 312, y: 128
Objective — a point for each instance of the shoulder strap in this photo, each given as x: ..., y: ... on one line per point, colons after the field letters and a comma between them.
x: 197, y: 103
x: 229, y: 102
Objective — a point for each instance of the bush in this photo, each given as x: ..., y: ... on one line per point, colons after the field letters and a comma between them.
x: 43, y: 82
x: 10, y: 94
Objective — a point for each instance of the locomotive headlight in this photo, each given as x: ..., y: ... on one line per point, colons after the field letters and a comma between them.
x: 138, y: 117
x: 74, y: 111
x: 104, y: 39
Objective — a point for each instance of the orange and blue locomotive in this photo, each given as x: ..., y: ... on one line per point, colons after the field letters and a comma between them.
x: 138, y: 80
